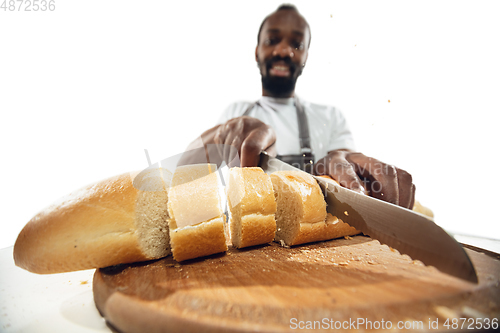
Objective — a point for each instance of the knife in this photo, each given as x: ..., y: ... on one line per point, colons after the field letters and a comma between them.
x: 409, y: 232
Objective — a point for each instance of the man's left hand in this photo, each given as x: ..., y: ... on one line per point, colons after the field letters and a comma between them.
x: 365, y: 174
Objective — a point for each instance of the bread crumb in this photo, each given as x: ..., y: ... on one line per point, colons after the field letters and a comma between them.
x: 283, y: 244
x: 472, y: 313
x: 348, y: 237
x: 445, y: 312
x: 344, y: 263
x: 84, y: 282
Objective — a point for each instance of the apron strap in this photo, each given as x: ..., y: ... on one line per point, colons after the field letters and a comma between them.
x: 304, y: 137
x: 249, y: 108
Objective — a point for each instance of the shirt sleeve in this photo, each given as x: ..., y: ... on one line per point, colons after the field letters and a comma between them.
x: 340, y: 134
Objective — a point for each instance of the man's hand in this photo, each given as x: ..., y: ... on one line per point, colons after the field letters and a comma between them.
x: 368, y: 175
x: 245, y: 135
x: 249, y: 136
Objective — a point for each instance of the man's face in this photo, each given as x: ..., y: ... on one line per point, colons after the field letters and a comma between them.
x: 282, y: 52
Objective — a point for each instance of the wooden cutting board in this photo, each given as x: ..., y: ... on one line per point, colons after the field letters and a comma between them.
x: 332, y: 285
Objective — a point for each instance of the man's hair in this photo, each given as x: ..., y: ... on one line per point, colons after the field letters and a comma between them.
x: 284, y: 6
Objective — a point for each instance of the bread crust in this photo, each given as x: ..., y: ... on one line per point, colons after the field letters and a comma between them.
x: 331, y: 228
x: 89, y: 228
x: 256, y: 229
x: 312, y: 202
x: 252, y: 206
x: 199, y: 240
x: 194, y: 202
x: 74, y: 233
x: 252, y: 190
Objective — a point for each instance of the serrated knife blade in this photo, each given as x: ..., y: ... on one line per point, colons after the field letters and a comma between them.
x: 402, y: 229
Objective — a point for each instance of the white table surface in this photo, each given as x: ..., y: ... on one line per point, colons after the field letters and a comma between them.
x: 64, y: 303
x: 46, y: 303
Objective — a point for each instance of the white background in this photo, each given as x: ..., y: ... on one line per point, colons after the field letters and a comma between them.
x: 86, y: 88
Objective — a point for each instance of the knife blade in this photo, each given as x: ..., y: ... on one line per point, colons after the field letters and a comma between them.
x: 402, y: 229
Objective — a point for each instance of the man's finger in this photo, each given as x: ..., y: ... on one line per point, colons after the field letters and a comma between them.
x: 219, y: 137
x: 257, y: 141
x: 230, y: 139
x: 250, y: 152
x: 406, y: 189
x: 385, y: 185
x: 271, y: 150
x: 412, y: 199
x: 381, y: 178
x: 233, y: 150
x: 343, y: 172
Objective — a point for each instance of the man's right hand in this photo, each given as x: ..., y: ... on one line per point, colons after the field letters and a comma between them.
x: 248, y: 136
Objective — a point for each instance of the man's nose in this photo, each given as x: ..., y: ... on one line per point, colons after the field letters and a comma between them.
x: 283, y: 49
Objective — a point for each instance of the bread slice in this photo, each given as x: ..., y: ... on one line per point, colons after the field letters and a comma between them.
x: 301, y: 215
x: 419, y: 208
x: 104, y: 224
x: 299, y: 201
x: 252, y: 206
x: 331, y: 228
x: 197, y: 224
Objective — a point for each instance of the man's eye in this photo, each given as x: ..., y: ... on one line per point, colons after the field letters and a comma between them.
x: 298, y: 45
x: 271, y: 41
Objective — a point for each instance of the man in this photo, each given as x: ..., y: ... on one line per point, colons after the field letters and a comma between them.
x: 279, y: 118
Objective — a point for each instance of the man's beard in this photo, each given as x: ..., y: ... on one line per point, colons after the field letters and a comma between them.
x: 276, y: 85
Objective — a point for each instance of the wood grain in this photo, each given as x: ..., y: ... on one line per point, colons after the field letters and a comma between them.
x: 263, y: 288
